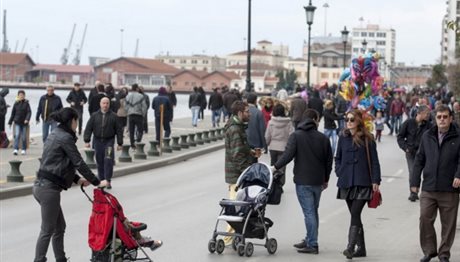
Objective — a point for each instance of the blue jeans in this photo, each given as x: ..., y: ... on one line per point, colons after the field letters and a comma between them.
x: 395, y: 124
x: 309, y: 197
x: 20, y: 132
x: 216, y: 117
x: 195, y: 113
x: 331, y: 133
x: 47, y: 125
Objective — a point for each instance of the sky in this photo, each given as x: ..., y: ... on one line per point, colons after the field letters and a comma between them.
x: 211, y: 27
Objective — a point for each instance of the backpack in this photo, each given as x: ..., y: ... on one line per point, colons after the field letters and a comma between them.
x: 4, y: 141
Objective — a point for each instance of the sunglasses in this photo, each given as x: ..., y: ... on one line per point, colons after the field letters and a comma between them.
x: 442, y: 117
x: 351, y: 119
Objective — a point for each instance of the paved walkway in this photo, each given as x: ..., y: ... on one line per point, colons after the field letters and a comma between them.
x: 30, y: 161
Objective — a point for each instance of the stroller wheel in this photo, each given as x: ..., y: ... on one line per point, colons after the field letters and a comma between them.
x: 271, y: 246
x: 240, y: 250
x: 212, y: 246
x: 220, y: 246
x: 249, y: 249
x: 236, y: 241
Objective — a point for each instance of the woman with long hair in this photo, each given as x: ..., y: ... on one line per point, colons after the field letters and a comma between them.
x: 356, y: 179
x: 59, y: 163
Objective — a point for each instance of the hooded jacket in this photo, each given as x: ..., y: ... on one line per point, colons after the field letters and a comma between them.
x: 3, y: 105
x: 237, y: 151
x: 277, y: 133
x: 20, y: 112
x: 312, y: 154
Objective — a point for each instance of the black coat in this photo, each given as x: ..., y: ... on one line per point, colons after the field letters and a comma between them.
x: 94, y: 104
x: 167, y: 107
x: 54, y: 104
x: 329, y: 119
x: 410, y: 134
x: 195, y: 100
x: 20, y: 113
x: 107, y: 129
x: 3, y: 105
x: 440, y: 164
x: 316, y: 104
x: 215, y: 101
x: 77, y: 97
x: 92, y: 94
x: 312, y: 154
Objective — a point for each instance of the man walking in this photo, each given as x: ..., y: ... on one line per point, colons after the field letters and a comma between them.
x: 77, y: 99
x: 396, y: 113
x: 312, y: 154
x: 162, y: 99
x: 104, y: 126
x: 256, y: 125
x: 439, y: 159
x: 194, y: 103
x: 136, y: 109
x: 48, y: 104
x: 409, y: 139
x: 216, y: 103
x: 298, y: 106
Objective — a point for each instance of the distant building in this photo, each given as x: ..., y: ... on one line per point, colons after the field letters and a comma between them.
x: 13, y: 66
x: 380, y: 40
x: 449, y: 46
x: 411, y: 76
x: 277, y: 50
x: 95, y: 60
x: 187, y: 79
x: 194, y: 62
x: 62, y: 74
x: 150, y: 73
x: 299, y: 65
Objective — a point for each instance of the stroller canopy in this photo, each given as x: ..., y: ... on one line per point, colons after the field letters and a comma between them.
x: 256, y: 174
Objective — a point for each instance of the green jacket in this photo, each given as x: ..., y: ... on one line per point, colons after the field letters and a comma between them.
x: 237, y: 151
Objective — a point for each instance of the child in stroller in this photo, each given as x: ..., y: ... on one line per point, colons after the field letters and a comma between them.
x: 246, y: 214
x: 112, y: 237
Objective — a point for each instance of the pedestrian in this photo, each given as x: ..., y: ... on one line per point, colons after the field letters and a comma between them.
x: 282, y: 94
x: 312, y: 154
x: 136, y: 110
x: 316, y: 103
x: 341, y: 109
x: 330, y: 127
x: 379, y: 123
x: 397, y: 108
x: 298, y: 106
x: 20, y: 116
x: 357, y: 178
x: 229, y: 98
x: 456, y: 109
x: 92, y: 93
x: 3, y: 108
x: 203, y: 102
x: 110, y: 93
x: 409, y: 138
x: 194, y: 103
x: 278, y: 130
x: 104, y: 126
x: 48, y: 104
x: 438, y: 157
x: 121, y: 112
x: 256, y: 125
x: 237, y: 150
x: 77, y: 99
x: 94, y: 104
x: 59, y: 163
x: 146, y: 116
x: 173, y: 100
x: 216, y: 103
x: 162, y: 99
x: 267, y: 104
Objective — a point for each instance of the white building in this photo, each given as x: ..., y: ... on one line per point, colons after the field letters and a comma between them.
x: 278, y: 50
x: 194, y: 62
x: 448, y: 36
x: 380, y: 40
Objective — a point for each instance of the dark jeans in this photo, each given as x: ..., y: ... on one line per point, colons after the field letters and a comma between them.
x: 355, y: 207
x: 410, y: 158
x: 309, y: 197
x: 396, y: 122
x: 274, y: 156
x: 80, y: 120
x: 201, y: 114
x: 166, y: 128
x: 48, y: 195
x: 104, y: 157
x: 2, y: 123
x: 136, y: 124
x: 146, y: 124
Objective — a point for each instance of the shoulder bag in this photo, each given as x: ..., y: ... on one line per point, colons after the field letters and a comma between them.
x: 376, y: 199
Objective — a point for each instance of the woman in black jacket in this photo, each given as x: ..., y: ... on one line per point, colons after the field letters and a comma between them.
x: 60, y: 160
x: 20, y: 116
x: 330, y: 127
x: 356, y: 179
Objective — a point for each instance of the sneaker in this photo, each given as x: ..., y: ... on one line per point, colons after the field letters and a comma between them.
x: 15, y: 152
x: 23, y: 152
x: 309, y: 250
x: 301, y: 244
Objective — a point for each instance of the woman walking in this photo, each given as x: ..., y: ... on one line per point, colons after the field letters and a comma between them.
x: 330, y: 127
x: 356, y: 179
x: 60, y: 160
x: 20, y: 116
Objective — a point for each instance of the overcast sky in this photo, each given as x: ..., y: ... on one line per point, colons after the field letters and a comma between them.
x: 215, y: 27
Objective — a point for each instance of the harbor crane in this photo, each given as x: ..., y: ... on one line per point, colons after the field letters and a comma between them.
x: 24, y: 46
x: 65, y: 55
x: 137, y: 48
x: 76, y: 60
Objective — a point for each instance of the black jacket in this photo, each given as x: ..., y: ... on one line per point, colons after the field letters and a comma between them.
x: 94, y: 104
x: 167, y: 107
x: 329, y: 119
x: 194, y: 100
x: 45, y: 109
x: 20, y: 113
x: 77, y: 97
x: 410, y: 134
x: 228, y: 99
x: 316, y: 104
x: 61, y: 159
x: 312, y: 155
x: 104, y: 129
x: 215, y: 101
x: 440, y: 164
x: 92, y: 94
x: 3, y: 105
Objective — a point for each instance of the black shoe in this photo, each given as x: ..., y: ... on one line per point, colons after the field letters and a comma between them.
x: 443, y: 259
x: 412, y: 197
x: 352, y: 240
x: 360, y: 244
x: 428, y: 258
x: 301, y: 244
x: 309, y: 250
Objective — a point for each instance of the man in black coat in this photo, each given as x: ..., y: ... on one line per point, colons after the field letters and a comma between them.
x: 409, y: 139
x: 48, y: 104
x: 439, y: 158
x: 312, y: 154
x: 316, y: 103
x: 216, y: 103
x: 3, y: 108
x: 77, y: 99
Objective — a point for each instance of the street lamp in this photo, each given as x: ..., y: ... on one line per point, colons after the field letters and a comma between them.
x: 248, y: 63
x: 345, y: 33
x: 310, y: 12
x: 364, y: 43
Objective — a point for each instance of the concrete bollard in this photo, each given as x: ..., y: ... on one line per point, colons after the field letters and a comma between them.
x: 206, y: 138
x: 191, y: 139
x: 140, y: 151
x: 212, y: 135
x: 125, y: 157
x: 183, y: 141
x: 220, y: 133
x: 175, y: 143
x: 167, y: 145
x: 199, y: 139
x: 15, y: 174
x: 90, y: 158
x: 153, y: 149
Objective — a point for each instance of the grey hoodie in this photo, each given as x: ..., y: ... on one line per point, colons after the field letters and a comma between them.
x: 135, y: 104
x: 277, y: 133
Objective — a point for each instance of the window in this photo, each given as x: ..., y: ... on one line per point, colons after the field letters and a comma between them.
x: 381, y: 35
x: 174, y: 83
x: 355, y: 33
x: 324, y: 75
x: 381, y: 42
x: 194, y: 61
x: 157, y: 81
x: 363, y: 34
x: 355, y: 50
x: 187, y: 83
x: 205, y: 62
x: 172, y: 61
x: 183, y: 61
x: 371, y: 34
x: 193, y: 84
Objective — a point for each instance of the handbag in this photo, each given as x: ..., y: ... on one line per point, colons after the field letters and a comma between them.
x: 376, y: 199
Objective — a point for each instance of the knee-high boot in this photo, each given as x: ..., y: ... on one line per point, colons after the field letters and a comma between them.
x: 360, y: 244
x: 352, y: 239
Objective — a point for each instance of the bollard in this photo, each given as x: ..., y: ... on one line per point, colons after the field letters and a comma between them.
x: 191, y: 139
x: 15, y: 174
x: 183, y: 141
x: 90, y: 158
x: 206, y: 138
x: 199, y: 139
x: 220, y: 133
x: 166, y: 145
x: 175, y: 143
x: 140, y: 151
x: 153, y: 149
x: 212, y: 134
x: 125, y: 157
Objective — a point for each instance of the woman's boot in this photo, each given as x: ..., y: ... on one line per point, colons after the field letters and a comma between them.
x: 360, y: 244
x: 352, y: 239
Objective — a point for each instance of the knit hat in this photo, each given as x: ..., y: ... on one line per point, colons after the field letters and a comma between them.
x: 162, y: 91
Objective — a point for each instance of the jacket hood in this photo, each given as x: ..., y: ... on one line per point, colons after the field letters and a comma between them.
x: 279, y: 121
x: 234, y: 121
x: 307, y: 125
x: 4, y: 92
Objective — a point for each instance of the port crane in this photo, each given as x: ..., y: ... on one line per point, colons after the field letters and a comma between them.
x: 65, y: 55
x: 76, y: 59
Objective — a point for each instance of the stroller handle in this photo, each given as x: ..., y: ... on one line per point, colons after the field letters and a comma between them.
x: 86, y: 194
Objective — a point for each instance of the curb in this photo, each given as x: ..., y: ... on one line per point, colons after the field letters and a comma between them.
x: 24, y: 190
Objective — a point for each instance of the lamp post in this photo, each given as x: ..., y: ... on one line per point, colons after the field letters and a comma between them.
x: 364, y: 43
x: 310, y: 12
x: 248, y: 63
x: 345, y: 33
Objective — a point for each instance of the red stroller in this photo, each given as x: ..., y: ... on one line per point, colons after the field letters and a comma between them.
x: 111, y: 236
